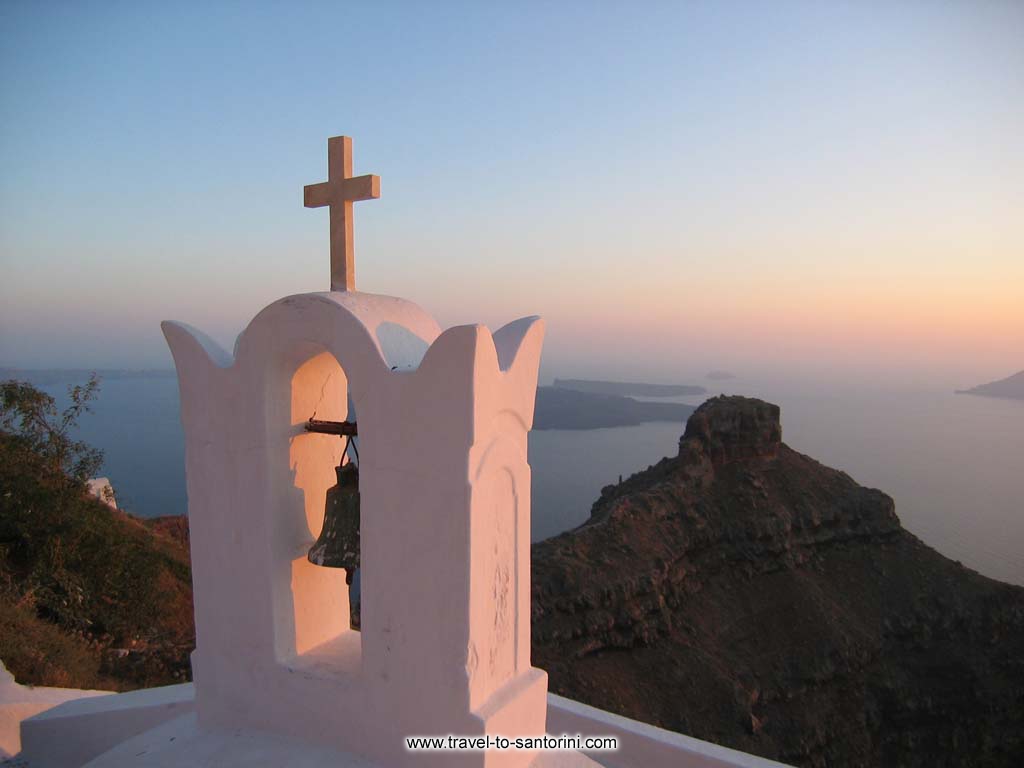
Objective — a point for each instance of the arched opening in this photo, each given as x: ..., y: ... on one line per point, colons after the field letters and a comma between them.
x: 318, y: 632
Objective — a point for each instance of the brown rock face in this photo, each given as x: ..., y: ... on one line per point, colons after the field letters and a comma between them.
x: 733, y: 428
x: 745, y: 594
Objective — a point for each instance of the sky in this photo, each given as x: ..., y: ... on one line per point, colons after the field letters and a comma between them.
x: 820, y: 189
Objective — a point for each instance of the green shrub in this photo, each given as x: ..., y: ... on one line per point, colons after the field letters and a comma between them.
x: 61, y: 549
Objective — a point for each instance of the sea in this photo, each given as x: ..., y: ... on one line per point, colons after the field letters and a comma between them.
x: 953, y: 463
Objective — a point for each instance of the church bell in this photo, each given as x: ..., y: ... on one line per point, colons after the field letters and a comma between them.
x: 338, y: 543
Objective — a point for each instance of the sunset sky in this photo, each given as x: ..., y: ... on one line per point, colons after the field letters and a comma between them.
x: 833, y: 189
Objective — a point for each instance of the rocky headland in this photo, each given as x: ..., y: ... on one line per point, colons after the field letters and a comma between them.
x: 562, y: 408
x: 743, y: 593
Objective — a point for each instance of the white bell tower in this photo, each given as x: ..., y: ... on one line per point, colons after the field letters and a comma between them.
x: 445, y: 519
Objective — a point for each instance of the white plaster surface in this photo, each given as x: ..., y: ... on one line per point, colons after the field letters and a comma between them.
x: 101, y: 488
x: 445, y: 492
x: 181, y: 742
x: 79, y: 731
x: 20, y: 702
x: 642, y: 745
x: 70, y: 733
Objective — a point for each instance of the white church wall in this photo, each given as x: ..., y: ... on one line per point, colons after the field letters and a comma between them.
x: 444, y: 488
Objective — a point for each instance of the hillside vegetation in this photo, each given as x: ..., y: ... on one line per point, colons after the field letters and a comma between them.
x: 89, y: 596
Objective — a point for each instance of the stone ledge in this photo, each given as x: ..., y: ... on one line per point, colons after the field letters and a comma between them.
x: 642, y: 745
x: 181, y: 743
x: 73, y: 732
x: 19, y: 702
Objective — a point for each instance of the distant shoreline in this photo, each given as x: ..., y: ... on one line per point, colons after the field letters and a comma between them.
x: 1010, y: 388
x: 557, y: 407
x: 627, y: 388
x: 561, y: 408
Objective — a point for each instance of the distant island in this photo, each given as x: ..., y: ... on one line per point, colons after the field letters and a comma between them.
x: 721, y: 375
x: 561, y: 408
x: 1011, y: 387
x: 626, y: 388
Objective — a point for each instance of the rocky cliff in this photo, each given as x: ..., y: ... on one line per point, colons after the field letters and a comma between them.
x: 743, y: 593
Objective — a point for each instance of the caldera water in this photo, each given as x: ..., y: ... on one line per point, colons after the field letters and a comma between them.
x: 953, y: 463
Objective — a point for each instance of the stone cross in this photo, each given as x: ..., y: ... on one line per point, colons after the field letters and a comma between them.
x: 339, y: 192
